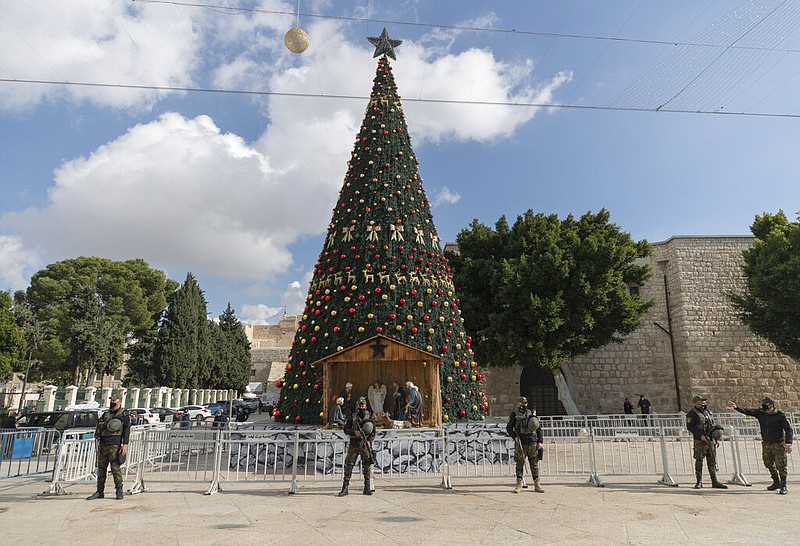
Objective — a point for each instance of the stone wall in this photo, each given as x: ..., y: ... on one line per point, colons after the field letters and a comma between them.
x: 715, y: 353
x: 269, y: 352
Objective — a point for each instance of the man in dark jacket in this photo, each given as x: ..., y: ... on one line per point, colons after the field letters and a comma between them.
x: 776, y: 440
x: 10, y: 421
x: 700, y: 422
x: 111, y: 436
x: 523, y: 426
x: 360, y: 427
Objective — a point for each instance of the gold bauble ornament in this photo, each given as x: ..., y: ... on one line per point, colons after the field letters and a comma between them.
x: 296, y: 40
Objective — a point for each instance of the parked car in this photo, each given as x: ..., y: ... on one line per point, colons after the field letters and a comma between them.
x: 199, y: 413
x: 146, y: 417
x: 250, y: 401
x: 223, y: 405
x: 165, y: 415
x: 60, y: 420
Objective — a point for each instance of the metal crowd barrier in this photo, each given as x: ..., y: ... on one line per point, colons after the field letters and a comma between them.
x: 574, y: 446
x: 27, y: 452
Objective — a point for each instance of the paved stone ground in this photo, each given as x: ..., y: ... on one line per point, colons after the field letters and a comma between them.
x: 476, y: 511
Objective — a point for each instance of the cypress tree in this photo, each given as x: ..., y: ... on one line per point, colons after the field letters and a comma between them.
x: 232, y: 359
x: 381, y: 269
x: 184, y: 352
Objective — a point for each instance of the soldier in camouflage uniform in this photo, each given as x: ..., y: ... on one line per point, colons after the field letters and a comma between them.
x: 700, y: 422
x: 111, y: 437
x: 523, y: 426
x: 776, y: 440
x: 360, y: 426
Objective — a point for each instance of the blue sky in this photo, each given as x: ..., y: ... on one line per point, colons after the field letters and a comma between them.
x: 238, y: 188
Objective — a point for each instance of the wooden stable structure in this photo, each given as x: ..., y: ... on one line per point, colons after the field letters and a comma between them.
x: 384, y: 360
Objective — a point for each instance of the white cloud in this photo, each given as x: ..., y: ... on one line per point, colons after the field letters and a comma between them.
x: 108, y: 41
x: 184, y: 195
x: 445, y: 197
x: 260, y: 314
x: 175, y: 191
x: 16, y: 263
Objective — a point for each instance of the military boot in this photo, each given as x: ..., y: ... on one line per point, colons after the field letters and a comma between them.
x: 119, y: 492
x: 783, y: 490
x: 536, y: 486
x: 716, y: 484
x: 776, y: 483
x: 698, y: 472
x: 96, y: 495
x: 699, y: 483
x: 518, y: 487
x: 345, y: 485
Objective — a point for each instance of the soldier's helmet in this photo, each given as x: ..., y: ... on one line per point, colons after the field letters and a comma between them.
x: 717, y: 433
x: 368, y: 428
x: 114, y: 426
x: 522, y: 400
x: 768, y: 400
x: 696, y: 399
x: 362, y: 401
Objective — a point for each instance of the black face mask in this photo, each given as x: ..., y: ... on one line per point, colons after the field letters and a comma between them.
x: 765, y: 407
x: 362, y: 411
x: 522, y: 409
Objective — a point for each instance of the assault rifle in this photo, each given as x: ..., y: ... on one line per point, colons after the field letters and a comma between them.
x: 365, y: 439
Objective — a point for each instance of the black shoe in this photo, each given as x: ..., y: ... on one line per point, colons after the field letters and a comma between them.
x: 96, y: 495
x: 783, y: 490
x: 367, y: 490
x: 120, y: 494
x: 775, y: 485
x: 717, y: 485
x: 698, y: 485
x: 344, y: 492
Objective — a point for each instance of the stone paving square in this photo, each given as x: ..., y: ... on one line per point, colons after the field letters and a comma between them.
x: 403, y: 511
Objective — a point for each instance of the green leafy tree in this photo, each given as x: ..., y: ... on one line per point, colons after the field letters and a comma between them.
x: 547, y: 290
x: 96, y: 341
x: 232, y: 365
x: 131, y: 296
x: 12, y: 339
x: 382, y: 271
x: 770, y: 305
x: 184, y: 353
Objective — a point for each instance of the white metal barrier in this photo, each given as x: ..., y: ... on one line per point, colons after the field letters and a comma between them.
x: 27, y: 452
x: 589, y: 447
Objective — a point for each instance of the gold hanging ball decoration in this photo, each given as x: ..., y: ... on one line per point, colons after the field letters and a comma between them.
x: 296, y: 40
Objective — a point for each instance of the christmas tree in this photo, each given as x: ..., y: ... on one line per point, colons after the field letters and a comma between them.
x: 382, y: 270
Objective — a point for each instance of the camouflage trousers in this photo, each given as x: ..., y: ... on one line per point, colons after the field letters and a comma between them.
x: 353, y: 452
x: 107, y: 454
x: 522, y: 452
x: 707, y: 450
x: 774, y: 456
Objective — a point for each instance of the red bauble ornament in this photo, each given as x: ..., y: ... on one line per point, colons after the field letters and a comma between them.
x: 279, y: 384
x: 298, y: 418
x: 462, y: 413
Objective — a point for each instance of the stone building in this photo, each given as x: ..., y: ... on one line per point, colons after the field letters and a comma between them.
x: 690, y: 342
x: 269, y: 352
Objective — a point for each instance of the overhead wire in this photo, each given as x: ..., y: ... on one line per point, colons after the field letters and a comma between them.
x: 236, y: 11
x: 407, y: 99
